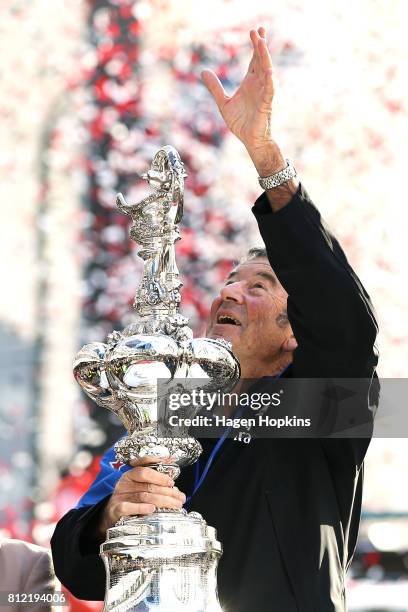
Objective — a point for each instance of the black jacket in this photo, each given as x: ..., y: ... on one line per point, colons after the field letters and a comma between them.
x: 287, y: 511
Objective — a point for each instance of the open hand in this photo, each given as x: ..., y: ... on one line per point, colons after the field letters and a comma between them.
x: 248, y: 113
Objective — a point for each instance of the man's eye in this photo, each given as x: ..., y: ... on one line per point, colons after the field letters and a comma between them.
x: 258, y: 286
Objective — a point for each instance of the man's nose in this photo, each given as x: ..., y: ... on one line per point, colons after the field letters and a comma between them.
x: 233, y: 291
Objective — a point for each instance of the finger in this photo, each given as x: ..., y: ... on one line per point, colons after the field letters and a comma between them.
x: 138, y: 487
x: 147, y: 474
x: 180, y: 494
x: 213, y: 84
x: 268, y: 89
x: 255, y: 38
x: 158, y: 500
x: 131, y: 509
x: 251, y: 64
x: 262, y: 32
x: 264, y: 55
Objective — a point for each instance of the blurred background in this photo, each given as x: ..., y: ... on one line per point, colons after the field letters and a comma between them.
x: 89, y: 91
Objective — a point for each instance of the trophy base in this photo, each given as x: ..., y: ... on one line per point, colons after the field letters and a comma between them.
x: 166, y: 562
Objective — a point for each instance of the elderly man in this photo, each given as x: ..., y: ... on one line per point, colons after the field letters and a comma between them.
x: 286, y: 511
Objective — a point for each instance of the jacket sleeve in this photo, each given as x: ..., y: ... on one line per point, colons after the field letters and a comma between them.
x: 75, y: 551
x: 329, y: 310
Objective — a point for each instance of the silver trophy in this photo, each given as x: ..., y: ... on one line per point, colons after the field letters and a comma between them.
x: 166, y: 561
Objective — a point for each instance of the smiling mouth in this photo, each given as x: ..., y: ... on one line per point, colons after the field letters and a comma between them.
x: 228, y: 320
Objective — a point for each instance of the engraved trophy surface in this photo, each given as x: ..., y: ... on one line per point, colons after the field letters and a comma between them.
x: 166, y: 561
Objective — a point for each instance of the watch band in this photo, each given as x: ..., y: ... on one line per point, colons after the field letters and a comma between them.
x: 275, y: 180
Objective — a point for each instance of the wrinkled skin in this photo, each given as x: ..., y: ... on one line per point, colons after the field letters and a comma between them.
x: 263, y: 341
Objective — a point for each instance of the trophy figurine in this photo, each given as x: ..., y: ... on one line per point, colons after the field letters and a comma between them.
x: 166, y: 561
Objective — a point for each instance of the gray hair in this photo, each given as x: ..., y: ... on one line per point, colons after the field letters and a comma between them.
x: 254, y: 253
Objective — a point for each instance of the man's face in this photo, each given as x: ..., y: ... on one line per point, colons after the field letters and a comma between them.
x: 250, y: 312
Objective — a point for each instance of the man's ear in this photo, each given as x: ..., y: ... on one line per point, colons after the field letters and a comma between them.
x: 289, y: 344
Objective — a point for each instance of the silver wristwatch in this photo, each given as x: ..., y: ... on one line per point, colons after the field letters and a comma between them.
x: 269, y: 182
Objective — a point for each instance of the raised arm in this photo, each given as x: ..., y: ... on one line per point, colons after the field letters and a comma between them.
x: 329, y: 310
x: 248, y: 114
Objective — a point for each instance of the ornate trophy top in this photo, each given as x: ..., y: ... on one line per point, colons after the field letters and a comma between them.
x: 155, y: 221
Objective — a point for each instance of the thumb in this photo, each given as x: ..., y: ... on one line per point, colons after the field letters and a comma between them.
x: 212, y: 82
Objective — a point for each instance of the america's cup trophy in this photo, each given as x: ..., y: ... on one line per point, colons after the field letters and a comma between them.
x: 166, y: 561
